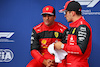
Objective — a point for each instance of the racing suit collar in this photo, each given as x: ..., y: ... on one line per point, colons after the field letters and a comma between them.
x: 73, y: 24
x: 50, y: 27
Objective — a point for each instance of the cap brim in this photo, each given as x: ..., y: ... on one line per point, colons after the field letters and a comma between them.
x: 63, y: 11
x: 47, y: 13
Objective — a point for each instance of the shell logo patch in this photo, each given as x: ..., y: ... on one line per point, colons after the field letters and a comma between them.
x: 43, y: 41
x: 56, y: 34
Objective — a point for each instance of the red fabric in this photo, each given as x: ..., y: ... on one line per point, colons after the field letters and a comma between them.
x: 48, y: 9
x: 72, y: 46
x: 65, y: 7
x: 42, y: 27
x: 36, y: 55
x: 75, y: 57
x: 35, y: 63
x: 43, y: 52
x: 55, y: 27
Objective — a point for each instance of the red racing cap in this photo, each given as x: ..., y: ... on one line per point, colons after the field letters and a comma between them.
x: 71, y: 6
x: 48, y: 10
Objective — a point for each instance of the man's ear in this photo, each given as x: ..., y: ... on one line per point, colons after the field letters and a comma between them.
x: 54, y: 17
x: 73, y: 13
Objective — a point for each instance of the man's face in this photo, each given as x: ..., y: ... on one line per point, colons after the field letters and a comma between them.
x: 68, y: 16
x: 49, y: 19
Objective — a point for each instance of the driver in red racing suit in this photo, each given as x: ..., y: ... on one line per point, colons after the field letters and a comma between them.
x: 43, y: 35
x: 79, y: 40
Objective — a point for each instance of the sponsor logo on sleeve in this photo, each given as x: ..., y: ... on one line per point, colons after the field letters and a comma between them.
x: 82, y: 34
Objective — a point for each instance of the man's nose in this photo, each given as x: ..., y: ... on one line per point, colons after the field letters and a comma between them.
x: 47, y: 17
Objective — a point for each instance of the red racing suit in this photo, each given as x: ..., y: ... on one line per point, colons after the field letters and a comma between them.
x: 42, y: 36
x: 78, y: 44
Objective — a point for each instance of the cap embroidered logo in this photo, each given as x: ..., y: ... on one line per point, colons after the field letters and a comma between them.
x: 47, y: 9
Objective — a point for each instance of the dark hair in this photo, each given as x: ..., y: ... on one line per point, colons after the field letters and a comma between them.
x: 78, y: 12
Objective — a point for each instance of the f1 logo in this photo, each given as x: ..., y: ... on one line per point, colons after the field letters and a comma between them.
x: 6, y: 34
x: 90, y: 3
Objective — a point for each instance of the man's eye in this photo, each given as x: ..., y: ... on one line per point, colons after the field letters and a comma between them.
x: 44, y: 15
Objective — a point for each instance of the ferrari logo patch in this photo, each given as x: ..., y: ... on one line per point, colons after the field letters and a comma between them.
x: 43, y: 41
x: 56, y: 34
x: 47, y: 9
